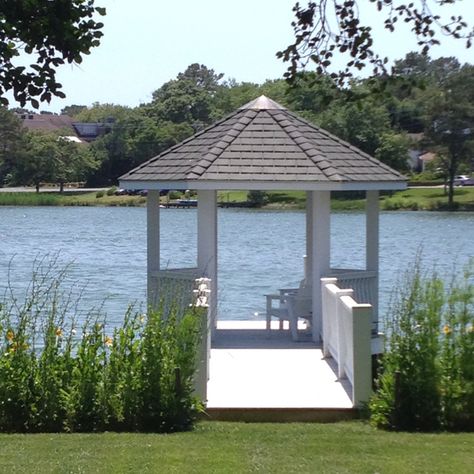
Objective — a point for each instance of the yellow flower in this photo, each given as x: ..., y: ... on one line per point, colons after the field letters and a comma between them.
x: 59, y: 332
x: 10, y: 335
x: 108, y: 341
x: 447, y: 330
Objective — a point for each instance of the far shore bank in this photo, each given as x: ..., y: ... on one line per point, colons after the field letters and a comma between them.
x: 413, y: 198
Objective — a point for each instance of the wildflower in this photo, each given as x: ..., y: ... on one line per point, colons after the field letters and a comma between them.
x: 108, y: 341
x: 446, y: 330
x: 59, y: 332
x: 73, y: 332
x: 10, y: 335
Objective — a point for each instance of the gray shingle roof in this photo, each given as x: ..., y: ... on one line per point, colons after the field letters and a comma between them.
x: 262, y: 141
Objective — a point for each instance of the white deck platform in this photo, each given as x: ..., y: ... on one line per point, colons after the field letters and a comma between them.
x: 248, y: 370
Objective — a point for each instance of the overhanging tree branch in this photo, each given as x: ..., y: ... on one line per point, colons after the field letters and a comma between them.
x: 325, y: 28
x: 53, y: 32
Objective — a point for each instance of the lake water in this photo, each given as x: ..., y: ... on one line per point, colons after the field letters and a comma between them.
x: 259, y: 251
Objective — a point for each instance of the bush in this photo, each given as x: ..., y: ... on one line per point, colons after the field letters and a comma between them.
x: 111, y: 191
x: 175, y: 194
x: 59, y: 374
x: 257, y: 198
x: 397, y: 203
x: 426, y: 380
x: 99, y: 194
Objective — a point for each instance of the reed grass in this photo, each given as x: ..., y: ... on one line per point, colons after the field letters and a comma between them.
x: 62, y: 368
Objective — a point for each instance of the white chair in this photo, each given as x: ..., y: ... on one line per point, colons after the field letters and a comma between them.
x: 293, y: 304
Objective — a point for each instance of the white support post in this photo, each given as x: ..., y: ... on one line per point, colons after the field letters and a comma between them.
x: 308, y: 275
x: 372, y: 246
x: 342, y: 348
x: 153, y: 246
x: 321, y: 250
x: 362, y: 385
x: 207, y: 244
x: 328, y: 312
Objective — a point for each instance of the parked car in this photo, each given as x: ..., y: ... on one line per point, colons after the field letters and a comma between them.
x: 463, y: 180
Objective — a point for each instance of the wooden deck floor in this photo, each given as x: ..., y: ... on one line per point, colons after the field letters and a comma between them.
x: 249, y: 371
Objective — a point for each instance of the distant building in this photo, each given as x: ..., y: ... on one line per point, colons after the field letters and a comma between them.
x: 89, y: 131
x: 76, y: 131
x: 426, y: 158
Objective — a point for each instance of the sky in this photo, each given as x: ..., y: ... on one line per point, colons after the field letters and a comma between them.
x: 148, y: 42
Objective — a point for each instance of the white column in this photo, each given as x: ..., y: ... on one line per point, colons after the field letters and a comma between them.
x: 309, y: 238
x: 372, y: 244
x: 153, y: 245
x: 321, y: 252
x: 207, y: 244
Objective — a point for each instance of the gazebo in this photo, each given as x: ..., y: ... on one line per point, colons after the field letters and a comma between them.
x: 264, y: 146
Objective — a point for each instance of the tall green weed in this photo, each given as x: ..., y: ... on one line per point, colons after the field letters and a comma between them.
x: 426, y: 381
x: 63, y: 370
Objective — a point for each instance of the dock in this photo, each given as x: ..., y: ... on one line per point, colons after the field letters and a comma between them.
x: 254, y: 377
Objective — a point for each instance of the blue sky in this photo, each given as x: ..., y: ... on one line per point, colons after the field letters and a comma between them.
x: 148, y: 42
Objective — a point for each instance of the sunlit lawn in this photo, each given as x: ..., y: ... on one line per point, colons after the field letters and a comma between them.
x: 350, y: 447
x: 412, y: 198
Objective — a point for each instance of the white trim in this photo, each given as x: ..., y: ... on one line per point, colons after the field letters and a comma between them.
x: 266, y: 185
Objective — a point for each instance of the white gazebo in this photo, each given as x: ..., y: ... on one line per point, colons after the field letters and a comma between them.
x: 264, y: 146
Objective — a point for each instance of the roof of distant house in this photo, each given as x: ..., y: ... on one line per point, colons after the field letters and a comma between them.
x: 427, y: 156
x: 47, y: 122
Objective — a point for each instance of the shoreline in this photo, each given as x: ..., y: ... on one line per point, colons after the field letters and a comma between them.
x: 411, y: 199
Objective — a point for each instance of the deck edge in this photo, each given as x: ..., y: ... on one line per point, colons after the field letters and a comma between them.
x: 281, y: 415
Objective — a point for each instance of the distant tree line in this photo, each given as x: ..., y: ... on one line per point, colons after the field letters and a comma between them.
x: 431, y: 98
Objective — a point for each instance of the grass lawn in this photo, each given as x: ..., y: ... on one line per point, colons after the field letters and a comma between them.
x: 410, y: 199
x: 350, y: 447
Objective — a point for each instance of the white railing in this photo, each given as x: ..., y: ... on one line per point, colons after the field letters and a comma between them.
x: 201, y: 301
x: 174, y: 287
x: 347, y: 337
x: 364, y: 284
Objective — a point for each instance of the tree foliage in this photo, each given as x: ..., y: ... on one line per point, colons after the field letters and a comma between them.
x: 450, y: 127
x: 53, y: 32
x: 436, y: 107
x: 326, y: 29
x: 47, y: 157
x: 188, y: 98
x: 11, y: 134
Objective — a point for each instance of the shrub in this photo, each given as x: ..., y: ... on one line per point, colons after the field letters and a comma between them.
x: 175, y: 194
x: 61, y: 370
x: 99, y: 194
x: 111, y: 191
x: 257, y: 198
x: 426, y: 380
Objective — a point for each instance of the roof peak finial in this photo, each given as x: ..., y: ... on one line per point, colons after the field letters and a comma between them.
x: 262, y: 103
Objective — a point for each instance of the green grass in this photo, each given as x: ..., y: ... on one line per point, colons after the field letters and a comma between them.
x: 351, y: 447
x: 69, y: 199
x: 410, y: 199
x: 428, y: 199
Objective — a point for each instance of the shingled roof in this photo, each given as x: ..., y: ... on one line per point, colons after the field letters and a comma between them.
x: 263, y: 145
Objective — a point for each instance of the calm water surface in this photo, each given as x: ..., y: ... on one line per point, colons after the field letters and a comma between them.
x: 259, y: 251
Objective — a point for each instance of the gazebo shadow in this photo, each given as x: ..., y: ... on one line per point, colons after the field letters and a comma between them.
x: 260, y: 339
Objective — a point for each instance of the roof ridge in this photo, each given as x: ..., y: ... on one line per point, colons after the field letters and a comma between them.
x: 223, y: 142
x: 322, y: 163
x: 345, y: 143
